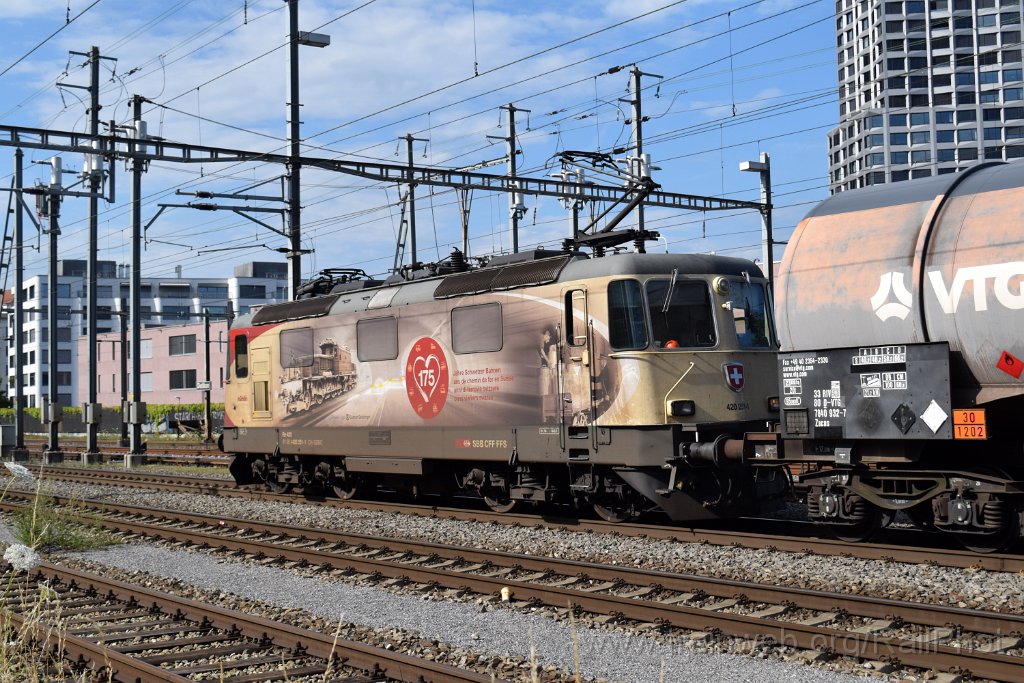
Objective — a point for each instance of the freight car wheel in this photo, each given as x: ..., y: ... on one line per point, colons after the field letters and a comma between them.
x: 874, y: 519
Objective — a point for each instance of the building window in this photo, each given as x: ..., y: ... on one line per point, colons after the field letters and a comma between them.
x: 252, y: 291
x: 966, y: 116
x: 64, y: 355
x: 145, y: 348
x: 896, y: 64
x: 919, y: 82
x: 174, y: 291
x: 897, y: 83
x: 993, y: 133
x: 899, y: 157
x: 944, y: 136
x: 920, y: 137
x: 182, y: 379
x: 967, y: 154
x: 896, y: 120
x: 945, y: 154
x: 1011, y: 75
x: 990, y: 115
x: 208, y: 291
x: 966, y: 98
x: 874, y: 140
x: 897, y: 138
x: 1013, y: 94
x: 965, y: 78
x: 921, y: 157
x: 993, y: 153
x: 966, y: 135
x: 476, y: 329
x: 145, y: 382
x: 919, y: 119
x: 181, y: 345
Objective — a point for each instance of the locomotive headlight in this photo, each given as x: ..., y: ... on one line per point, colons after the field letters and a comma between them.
x: 682, y: 408
x: 773, y: 404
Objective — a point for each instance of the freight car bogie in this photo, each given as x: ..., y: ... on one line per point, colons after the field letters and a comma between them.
x: 982, y: 509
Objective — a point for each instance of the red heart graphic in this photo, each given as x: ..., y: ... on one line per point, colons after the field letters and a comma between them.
x: 426, y: 373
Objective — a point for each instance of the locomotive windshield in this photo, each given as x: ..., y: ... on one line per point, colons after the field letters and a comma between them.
x: 750, y: 314
x: 681, y: 313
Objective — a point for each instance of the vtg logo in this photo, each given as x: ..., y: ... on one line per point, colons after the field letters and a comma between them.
x: 1007, y: 285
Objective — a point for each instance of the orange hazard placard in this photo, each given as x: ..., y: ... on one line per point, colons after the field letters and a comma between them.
x: 969, y: 424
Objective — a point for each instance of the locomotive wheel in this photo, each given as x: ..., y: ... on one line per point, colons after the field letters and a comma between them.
x: 500, y: 502
x: 276, y: 486
x: 346, y: 489
x: 616, y: 514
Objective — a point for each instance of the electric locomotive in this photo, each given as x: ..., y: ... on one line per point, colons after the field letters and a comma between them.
x: 623, y: 382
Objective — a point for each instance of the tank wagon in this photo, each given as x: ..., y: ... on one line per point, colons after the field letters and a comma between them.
x: 614, y: 382
x: 901, y: 315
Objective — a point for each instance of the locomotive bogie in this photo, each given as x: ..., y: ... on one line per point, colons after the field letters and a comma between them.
x: 554, y: 390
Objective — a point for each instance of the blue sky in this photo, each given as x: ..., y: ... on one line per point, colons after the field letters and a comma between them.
x: 737, y: 78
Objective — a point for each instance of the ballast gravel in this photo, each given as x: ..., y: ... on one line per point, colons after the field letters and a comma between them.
x: 976, y: 589
x: 603, y: 655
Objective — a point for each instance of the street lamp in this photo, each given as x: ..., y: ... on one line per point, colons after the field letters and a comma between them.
x: 764, y: 169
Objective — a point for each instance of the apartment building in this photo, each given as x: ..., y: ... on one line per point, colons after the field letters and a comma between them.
x: 164, y: 301
x: 926, y: 87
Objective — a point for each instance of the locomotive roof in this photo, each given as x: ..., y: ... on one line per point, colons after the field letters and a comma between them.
x: 562, y: 268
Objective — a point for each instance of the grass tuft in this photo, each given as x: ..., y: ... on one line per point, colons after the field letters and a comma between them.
x: 44, y: 526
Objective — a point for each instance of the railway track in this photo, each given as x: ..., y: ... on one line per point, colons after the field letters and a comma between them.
x: 902, y: 549
x: 124, y: 632
x: 985, y: 644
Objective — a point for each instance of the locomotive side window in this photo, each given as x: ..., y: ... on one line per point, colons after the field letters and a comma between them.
x: 750, y: 313
x: 297, y: 348
x: 626, y: 328
x: 241, y: 357
x: 377, y: 338
x: 476, y: 329
x: 681, y: 313
x: 575, y: 331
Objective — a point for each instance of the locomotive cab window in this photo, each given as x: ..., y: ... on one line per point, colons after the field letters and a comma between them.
x: 377, y: 338
x: 681, y: 313
x: 476, y: 329
x: 297, y: 348
x: 241, y: 356
x: 750, y: 315
x: 626, y: 327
